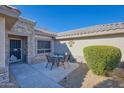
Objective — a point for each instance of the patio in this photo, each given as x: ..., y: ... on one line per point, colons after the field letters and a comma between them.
x: 37, y: 76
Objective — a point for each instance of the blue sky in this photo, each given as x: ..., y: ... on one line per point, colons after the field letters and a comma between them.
x: 62, y: 18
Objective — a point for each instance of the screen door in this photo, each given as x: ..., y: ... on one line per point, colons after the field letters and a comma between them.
x: 15, y: 50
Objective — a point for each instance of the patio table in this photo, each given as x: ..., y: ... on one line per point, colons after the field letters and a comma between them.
x: 58, y: 58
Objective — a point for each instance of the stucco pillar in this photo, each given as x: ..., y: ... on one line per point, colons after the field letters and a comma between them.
x: 2, y: 41
x: 4, y: 74
x: 52, y: 47
x: 31, y: 48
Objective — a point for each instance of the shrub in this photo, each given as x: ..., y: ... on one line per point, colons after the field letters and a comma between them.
x: 101, y: 59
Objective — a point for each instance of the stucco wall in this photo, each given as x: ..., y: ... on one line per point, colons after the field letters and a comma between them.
x: 22, y: 28
x: 77, y: 48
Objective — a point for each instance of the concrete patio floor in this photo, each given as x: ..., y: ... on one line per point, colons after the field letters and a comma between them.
x: 28, y: 77
x: 37, y: 76
x: 57, y: 73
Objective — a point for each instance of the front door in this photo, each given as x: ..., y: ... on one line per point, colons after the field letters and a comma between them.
x: 15, y: 50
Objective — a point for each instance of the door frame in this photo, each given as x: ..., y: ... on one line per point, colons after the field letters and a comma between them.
x: 9, y: 50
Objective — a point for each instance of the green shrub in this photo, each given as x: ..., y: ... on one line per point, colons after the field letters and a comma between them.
x: 101, y: 59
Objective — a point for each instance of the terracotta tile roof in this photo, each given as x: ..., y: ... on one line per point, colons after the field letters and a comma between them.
x: 11, y: 7
x: 92, y: 30
x: 44, y: 32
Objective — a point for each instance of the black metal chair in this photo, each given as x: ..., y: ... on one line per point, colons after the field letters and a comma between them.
x: 50, y: 60
x: 65, y: 60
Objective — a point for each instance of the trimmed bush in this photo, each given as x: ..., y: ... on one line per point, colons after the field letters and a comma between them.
x: 101, y: 59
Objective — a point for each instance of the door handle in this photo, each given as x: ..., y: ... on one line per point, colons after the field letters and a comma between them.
x: 15, y: 49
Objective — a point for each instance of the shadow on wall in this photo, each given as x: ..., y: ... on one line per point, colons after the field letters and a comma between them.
x: 62, y: 49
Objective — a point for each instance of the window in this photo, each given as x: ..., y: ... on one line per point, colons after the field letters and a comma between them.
x: 43, y: 46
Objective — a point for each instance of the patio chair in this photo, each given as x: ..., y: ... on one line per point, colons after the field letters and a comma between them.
x: 65, y: 60
x: 50, y: 60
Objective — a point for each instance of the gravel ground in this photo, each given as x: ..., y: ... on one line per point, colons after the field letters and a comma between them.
x: 94, y: 81
x: 11, y: 84
x: 84, y: 78
x: 75, y: 78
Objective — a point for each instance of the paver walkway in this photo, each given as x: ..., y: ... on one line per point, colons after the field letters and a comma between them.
x: 28, y: 77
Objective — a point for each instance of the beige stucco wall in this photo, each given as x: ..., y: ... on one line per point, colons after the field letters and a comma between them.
x: 77, y: 49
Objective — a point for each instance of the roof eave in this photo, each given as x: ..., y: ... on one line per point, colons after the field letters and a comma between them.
x: 118, y: 31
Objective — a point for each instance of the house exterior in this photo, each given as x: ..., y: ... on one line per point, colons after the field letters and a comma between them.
x: 28, y: 40
x: 76, y: 40
x: 20, y: 41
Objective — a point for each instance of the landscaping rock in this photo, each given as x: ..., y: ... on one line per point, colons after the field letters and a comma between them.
x: 92, y: 80
x: 119, y: 72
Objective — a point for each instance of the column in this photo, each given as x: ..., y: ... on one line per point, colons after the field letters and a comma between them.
x: 2, y: 42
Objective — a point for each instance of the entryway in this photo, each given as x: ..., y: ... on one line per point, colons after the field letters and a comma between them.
x: 17, y: 48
